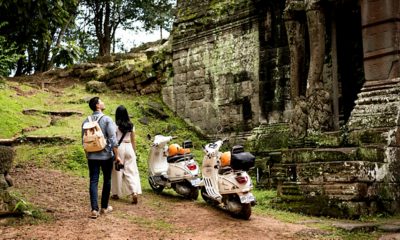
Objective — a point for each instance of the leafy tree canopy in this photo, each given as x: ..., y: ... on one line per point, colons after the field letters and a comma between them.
x: 61, y: 32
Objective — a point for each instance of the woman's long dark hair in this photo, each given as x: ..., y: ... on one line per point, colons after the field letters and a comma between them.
x: 122, y: 119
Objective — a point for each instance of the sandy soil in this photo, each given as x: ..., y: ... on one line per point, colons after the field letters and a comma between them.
x: 165, y: 216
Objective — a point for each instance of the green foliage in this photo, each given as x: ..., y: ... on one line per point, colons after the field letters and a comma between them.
x: 105, y: 17
x: 31, y: 213
x: 48, y: 20
x: 8, y: 55
x: 67, y: 54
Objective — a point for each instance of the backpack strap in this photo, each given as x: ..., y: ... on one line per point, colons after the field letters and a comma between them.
x: 123, y: 135
x: 100, y: 118
x: 90, y: 119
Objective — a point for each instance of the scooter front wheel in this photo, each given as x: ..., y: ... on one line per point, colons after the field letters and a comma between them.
x: 194, y: 193
x: 245, y: 212
x: 156, y: 188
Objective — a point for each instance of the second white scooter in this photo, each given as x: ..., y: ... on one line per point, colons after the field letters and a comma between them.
x: 173, y: 167
x: 225, y: 179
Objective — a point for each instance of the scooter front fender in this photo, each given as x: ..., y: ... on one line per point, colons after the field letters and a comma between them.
x: 195, y: 182
x: 246, y: 197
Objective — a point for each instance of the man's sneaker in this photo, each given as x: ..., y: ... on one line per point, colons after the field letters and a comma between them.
x: 106, y: 210
x: 94, y: 214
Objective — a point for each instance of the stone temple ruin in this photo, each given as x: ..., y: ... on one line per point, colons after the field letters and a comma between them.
x: 311, y: 85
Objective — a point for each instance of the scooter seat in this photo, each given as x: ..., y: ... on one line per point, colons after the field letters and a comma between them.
x: 224, y: 170
x: 178, y: 157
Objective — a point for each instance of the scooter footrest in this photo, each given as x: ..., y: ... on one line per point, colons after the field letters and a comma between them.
x: 210, y: 190
x: 158, y: 179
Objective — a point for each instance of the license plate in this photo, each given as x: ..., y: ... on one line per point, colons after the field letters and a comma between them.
x: 247, y: 198
x: 195, y: 182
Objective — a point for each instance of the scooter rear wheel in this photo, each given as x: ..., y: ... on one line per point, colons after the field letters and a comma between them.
x: 156, y: 188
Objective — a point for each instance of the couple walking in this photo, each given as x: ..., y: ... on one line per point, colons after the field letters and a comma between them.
x: 119, y: 151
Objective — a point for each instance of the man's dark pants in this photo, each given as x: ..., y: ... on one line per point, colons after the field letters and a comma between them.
x: 94, y: 173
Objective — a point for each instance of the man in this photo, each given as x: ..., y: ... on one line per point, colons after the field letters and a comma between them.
x: 102, y: 159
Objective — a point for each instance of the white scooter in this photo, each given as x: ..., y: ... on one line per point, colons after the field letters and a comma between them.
x: 225, y: 179
x: 173, y: 167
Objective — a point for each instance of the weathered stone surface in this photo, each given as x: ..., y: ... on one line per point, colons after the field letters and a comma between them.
x: 96, y: 86
x: 219, y: 67
x: 6, y: 157
x: 242, y: 65
x: 389, y: 228
x: 352, y: 227
x: 7, y: 202
x: 94, y: 73
x: 156, y: 110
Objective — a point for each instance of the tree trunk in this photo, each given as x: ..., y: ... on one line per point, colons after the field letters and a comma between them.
x: 20, y: 66
x: 60, y: 37
x: 105, y: 46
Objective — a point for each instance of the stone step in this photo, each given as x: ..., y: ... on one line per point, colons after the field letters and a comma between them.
x: 329, y: 172
x: 306, y: 155
x: 369, y: 227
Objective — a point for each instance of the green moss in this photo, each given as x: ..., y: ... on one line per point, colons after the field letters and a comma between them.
x: 324, y: 139
x: 268, y: 138
x: 366, y: 137
x: 370, y: 154
x: 318, y: 206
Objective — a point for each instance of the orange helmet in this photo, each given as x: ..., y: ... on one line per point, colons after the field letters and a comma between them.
x: 225, y: 159
x: 173, y: 149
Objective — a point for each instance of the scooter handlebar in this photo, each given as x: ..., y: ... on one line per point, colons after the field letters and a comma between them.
x: 159, y: 139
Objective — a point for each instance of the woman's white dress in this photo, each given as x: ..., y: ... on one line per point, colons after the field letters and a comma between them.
x: 126, y: 181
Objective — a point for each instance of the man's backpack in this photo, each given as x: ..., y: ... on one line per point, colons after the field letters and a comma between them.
x: 93, y: 137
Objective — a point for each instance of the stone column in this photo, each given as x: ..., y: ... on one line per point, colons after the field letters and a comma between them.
x: 316, y: 30
x: 381, y: 41
x: 375, y: 119
x: 295, y: 30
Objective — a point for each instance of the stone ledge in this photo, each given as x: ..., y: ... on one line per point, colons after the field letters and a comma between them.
x: 368, y: 227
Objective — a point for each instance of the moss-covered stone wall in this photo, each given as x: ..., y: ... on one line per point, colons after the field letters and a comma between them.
x: 215, y: 60
x: 232, y: 65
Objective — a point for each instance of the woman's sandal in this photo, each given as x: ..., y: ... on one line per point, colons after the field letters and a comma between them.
x: 134, y: 199
x: 114, y: 197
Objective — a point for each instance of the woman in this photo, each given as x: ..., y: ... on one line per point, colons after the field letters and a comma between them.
x: 126, y: 181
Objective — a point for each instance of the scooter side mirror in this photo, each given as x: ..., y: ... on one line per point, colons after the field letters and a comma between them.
x: 187, y: 144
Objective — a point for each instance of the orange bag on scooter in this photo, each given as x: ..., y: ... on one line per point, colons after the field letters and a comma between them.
x: 173, y: 149
x: 225, y: 159
x: 183, y: 151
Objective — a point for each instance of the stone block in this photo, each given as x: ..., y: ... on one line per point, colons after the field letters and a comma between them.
x: 367, y: 137
x: 380, y: 37
x: 382, y: 68
x: 180, y: 78
x: 200, y: 73
x: 307, y: 155
x: 374, y: 11
x: 340, y: 172
x: 341, y: 192
x: 179, y: 54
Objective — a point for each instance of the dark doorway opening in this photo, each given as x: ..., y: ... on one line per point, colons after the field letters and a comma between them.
x: 350, y: 56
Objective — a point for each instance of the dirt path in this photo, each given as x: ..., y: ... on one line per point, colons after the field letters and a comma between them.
x: 155, y: 217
